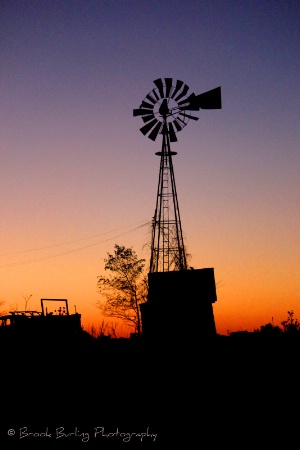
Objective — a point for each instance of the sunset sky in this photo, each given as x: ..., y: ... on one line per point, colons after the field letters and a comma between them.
x: 77, y: 175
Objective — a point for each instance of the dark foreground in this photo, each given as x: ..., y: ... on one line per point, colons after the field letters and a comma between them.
x: 219, y: 393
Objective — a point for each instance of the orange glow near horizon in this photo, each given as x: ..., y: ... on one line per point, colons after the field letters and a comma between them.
x: 250, y: 292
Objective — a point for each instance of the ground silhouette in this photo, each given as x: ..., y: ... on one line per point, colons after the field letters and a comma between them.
x: 228, y: 390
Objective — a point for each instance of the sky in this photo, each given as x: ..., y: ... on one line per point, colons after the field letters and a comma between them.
x: 78, y: 176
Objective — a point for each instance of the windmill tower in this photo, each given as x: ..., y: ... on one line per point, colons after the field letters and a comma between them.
x: 165, y: 111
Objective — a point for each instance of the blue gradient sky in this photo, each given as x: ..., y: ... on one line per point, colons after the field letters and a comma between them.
x: 77, y: 175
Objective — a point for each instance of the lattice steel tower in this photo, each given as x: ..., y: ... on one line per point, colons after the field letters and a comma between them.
x: 163, y: 111
x: 167, y: 245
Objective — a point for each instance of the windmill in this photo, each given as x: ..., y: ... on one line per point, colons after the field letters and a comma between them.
x: 165, y: 111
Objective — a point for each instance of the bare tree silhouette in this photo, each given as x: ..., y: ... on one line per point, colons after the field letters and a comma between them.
x: 125, y: 288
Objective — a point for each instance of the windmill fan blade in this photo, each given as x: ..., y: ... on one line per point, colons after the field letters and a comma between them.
x: 155, y: 131
x: 181, y: 121
x: 148, y: 127
x: 160, y: 86
x: 168, y: 82
x: 142, y: 112
x: 146, y: 105
x: 155, y: 95
x: 172, y: 133
x: 147, y: 118
x: 151, y: 99
x: 177, y: 125
x: 191, y: 103
x: 189, y: 116
x: 210, y: 99
x: 179, y: 83
x: 182, y: 93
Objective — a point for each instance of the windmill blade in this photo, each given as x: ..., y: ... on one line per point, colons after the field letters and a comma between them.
x: 155, y: 131
x: 182, y: 93
x: 172, y: 133
x: 146, y: 105
x: 189, y: 116
x: 177, y: 125
x: 181, y: 121
x: 168, y: 82
x: 160, y: 87
x: 179, y: 84
x: 155, y: 95
x: 142, y: 112
x: 147, y: 118
x: 190, y: 103
x: 146, y: 128
x: 210, y: 99
x: 151, y: 99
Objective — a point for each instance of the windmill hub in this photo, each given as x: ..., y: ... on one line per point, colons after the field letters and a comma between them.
x: 164, y: 109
